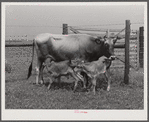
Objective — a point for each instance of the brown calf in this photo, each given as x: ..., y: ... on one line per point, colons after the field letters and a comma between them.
x: 63, y: 68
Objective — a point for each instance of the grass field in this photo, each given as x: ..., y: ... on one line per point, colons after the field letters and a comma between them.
x: 21, y: 93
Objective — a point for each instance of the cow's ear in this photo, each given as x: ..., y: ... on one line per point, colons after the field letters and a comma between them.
x: 115, y: 39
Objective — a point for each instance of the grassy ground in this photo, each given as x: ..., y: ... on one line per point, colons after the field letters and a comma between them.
x: 23, y: 94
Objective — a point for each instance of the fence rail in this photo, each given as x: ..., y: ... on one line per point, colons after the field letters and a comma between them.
x: 98, y: 30
x: 18, y: 45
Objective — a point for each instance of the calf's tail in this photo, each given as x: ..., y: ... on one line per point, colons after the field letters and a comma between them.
x: 30, y: 67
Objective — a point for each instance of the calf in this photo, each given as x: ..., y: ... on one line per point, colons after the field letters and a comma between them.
x: 95, y: 68
x: 63, y: 68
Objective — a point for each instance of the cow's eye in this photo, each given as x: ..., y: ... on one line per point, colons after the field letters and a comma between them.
x: 98, y: 41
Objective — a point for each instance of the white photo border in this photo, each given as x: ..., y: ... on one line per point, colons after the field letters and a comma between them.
x: 54, y: 114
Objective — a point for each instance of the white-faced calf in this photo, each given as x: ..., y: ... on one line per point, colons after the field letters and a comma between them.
x: 95, y: 68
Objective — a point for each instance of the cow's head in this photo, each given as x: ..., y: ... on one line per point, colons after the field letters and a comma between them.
x: 108, y: 47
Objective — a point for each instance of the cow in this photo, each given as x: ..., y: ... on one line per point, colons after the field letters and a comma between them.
x: 62, y: 68
x: 68, y: 47
x: 94, y: 69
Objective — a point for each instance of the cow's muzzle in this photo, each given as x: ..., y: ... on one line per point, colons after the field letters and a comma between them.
x: 112, y: 57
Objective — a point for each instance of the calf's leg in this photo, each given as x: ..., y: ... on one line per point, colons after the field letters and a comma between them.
x: 108, y: 78
x: 82, y: 77
x: 94, y: 85
x: 50, y: 82
x: 76, y: 79
x: 85, y: 83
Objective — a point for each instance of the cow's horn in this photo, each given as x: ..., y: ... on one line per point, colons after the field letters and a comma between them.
x: 115, y: 39
x: 105, y: 36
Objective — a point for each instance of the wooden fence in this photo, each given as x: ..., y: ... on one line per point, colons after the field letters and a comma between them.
x: 128, y: 48
x: 119, y: 46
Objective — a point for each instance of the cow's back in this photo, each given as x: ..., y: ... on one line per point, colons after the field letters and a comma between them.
x: 63, y: 47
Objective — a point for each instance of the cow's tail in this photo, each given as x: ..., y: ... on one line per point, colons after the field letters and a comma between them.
x: 30, y: 67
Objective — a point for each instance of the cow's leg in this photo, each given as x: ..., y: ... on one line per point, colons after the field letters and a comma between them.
x: 108, y: 78
x: 42, y: 68
x: 41, y: 74
x: 38, y: 69
x: 50, y: 82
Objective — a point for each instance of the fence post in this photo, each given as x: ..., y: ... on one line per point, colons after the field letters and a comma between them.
x: 127, y: 36
x: 141, y: 46
x: 65, y: 29
x: 138, y: 65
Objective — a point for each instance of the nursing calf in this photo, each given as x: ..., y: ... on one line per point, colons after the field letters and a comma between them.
x: 63, y: 68
x: 95, y: 68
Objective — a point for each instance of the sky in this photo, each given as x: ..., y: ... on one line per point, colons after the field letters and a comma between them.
x: 35, y: 19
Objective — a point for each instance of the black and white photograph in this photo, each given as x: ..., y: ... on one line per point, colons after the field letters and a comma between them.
x: 74, y: 61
